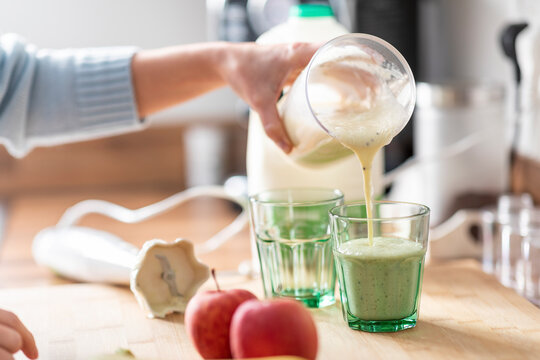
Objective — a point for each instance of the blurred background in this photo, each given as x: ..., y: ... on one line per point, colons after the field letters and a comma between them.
x: 473, y: 138
x: 204, y: 141
x: 170, y: 153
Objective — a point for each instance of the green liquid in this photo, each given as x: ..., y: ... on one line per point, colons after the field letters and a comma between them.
x: 380, y: 282
x: 299, y: 265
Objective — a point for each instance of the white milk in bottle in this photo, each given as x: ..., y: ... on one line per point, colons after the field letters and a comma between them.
x: 324, y: 161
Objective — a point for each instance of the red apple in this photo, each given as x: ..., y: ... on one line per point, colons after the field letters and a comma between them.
x: 208, y: 318
x: 273, y: 327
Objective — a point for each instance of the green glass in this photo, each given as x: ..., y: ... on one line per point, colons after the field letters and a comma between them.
x: 380, y: 282
x: 292, y: 232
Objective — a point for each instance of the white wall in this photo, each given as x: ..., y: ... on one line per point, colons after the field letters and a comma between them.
x: 144, y: 23
x: 68, y: 23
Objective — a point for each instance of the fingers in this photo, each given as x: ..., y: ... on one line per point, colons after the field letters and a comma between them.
x: 297, y: 56
x: 260, y: 74
x: 273, y: 126
x: 28, y: 344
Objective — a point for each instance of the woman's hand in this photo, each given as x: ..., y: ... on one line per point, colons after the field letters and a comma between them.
x: 14, y: 336
x: 258, y: 74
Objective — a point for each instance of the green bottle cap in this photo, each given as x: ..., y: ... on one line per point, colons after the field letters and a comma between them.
x: 310, y: 10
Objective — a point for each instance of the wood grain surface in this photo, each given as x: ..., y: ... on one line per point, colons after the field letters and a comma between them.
x: 464, y: 314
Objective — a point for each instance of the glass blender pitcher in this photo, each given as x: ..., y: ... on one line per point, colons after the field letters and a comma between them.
x: 349, y: 74
x: 357, y: 91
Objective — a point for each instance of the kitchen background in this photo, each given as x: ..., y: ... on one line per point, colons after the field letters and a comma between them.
x: 203, y: 141
x: 156, y: 157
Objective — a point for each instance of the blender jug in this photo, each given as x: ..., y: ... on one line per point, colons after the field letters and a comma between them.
x: 526, y: 166
x: 356, y: 94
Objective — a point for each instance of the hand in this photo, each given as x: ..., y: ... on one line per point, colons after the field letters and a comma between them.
x: 14, y: 336
x: 258, y: 74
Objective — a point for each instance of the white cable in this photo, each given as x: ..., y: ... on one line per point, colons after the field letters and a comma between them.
x: 129, y: 216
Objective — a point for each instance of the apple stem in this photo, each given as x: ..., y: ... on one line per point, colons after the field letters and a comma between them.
x: 215, y: 279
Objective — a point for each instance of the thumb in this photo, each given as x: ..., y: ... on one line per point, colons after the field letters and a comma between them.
x: 274, y: 128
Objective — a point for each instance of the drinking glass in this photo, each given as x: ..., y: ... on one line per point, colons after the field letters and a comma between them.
x: 507, y: 238
x: 292, y: 232
x: 528, y: 279
x: 380, y: 280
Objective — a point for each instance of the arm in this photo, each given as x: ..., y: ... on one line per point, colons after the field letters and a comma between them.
x: 257, y: 73
x: 49, y: 97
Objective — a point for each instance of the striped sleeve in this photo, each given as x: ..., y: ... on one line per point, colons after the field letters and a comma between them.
x: 50, y: 97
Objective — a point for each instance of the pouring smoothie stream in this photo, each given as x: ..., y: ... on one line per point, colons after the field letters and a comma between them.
x: 361, y: 98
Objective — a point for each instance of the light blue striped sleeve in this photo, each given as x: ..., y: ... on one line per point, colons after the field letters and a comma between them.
x: 50, y: 97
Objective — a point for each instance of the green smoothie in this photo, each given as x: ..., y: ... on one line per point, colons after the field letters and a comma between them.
x: 382, y: 281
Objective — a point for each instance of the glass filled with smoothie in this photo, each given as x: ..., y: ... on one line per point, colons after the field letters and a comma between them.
x: 379, y: 263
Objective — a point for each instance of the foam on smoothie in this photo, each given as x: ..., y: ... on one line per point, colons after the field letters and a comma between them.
x: 381, y: 248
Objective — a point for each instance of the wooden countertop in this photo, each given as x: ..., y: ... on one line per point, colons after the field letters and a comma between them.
x: 464, y: 313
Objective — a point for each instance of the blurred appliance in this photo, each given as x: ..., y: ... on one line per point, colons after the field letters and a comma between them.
x: 245, y: 20
x: 392, y: 20
x: 265, y: 14
x: 227, y: 20
x: 460, y: 39
x: 461, y: 145
x: 463, y: 133
x: 526, y: 169
x: 459, y: 44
